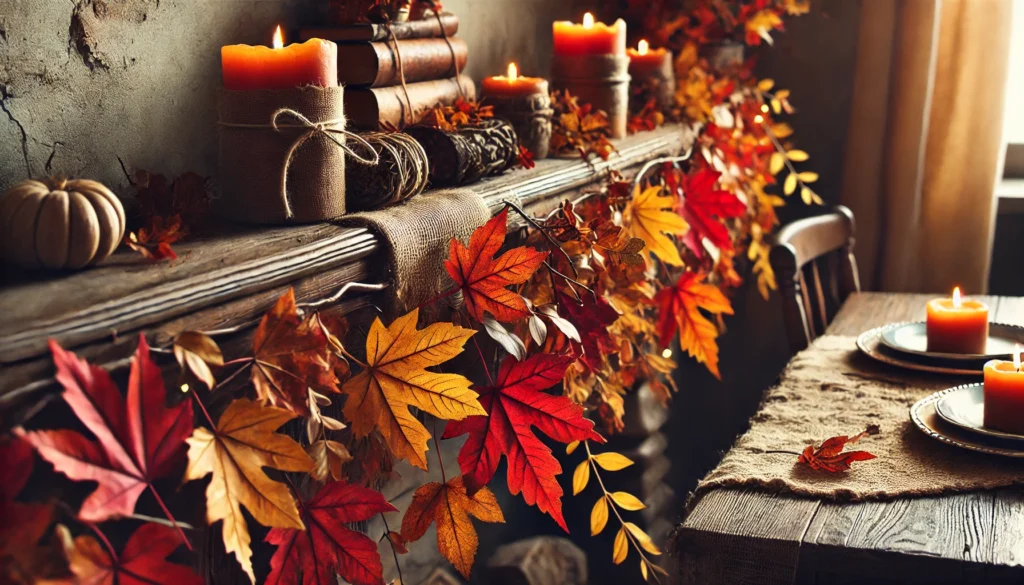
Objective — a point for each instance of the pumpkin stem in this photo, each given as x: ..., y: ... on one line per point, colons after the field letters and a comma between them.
x: 57, y: 183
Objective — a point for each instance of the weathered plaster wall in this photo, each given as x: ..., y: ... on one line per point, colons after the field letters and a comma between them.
x: 83, y: 82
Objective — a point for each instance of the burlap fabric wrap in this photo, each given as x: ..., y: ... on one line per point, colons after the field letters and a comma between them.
x: 599, y: 80
x: 831, y: 389
x: 530, y: 115
x: 659, y: 85
x: 417, y: 234
x: 254, y: 156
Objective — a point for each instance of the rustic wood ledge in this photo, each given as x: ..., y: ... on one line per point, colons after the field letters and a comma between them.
x: 229, y: 279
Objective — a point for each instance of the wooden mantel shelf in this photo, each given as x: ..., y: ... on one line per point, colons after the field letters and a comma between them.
x: 230, y: 279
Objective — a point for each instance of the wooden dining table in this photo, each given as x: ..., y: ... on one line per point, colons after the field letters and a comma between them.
x: 747, y: 536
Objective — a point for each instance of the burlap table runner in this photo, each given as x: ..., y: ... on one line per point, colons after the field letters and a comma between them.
x: 417, y: 234
x: 831, y: 389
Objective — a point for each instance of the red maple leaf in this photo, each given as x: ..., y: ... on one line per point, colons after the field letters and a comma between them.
x: 703, y: 207
x: 327, y: 547
x: 514, y: 405
x: 143, y: 561
x: 139, y: 439
x: 483, y: 278
x: 591, y: 316
x: 525, y: 158
x: 829, y: 456
x: 23, y: 524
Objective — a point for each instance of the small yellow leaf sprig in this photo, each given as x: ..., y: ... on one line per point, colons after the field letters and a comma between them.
x: 782, y: 157
x: 629, y: 534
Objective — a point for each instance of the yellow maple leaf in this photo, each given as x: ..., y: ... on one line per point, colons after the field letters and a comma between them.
x: 450, y: 506
x: 236, y: 453
x: 650, y: 216
x: 395, y: 378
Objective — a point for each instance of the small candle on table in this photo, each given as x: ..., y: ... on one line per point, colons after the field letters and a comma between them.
x: 248, y: 68
x: 957, y: 325
x: 512, y: 85
x: 1004, y: 395
x: 589, y: 38
x: 645, y: 62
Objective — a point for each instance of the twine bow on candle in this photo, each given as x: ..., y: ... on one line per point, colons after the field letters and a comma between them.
x: 324, y: 128
x: 313, y: 130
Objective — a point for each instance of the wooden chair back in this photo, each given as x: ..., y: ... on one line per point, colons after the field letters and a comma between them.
x: 816, y: 271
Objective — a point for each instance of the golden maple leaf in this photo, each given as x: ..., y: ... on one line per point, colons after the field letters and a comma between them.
x: 650, y: 216
x: 236, y: 453
x: 450, y: 506
x: 395, y: 378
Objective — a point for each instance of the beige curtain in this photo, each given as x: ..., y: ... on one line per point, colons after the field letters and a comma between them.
x: 924, y: 146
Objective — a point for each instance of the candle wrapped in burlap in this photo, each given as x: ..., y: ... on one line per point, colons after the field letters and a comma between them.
x: 599, y: 80
x: 282, y: 155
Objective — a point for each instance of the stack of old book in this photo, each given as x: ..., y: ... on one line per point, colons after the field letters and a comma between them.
x: 374, y: 58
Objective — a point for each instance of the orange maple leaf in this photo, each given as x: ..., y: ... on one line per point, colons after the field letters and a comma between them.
x: 450, y: 506
x: 291, y: 355
x: 483, y: 278
x: 679, y: 310
x: 829, y: 456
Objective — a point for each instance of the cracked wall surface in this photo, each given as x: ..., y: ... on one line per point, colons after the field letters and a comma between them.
x: 83, y: 82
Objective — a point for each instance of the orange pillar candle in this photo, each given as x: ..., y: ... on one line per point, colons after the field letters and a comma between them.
x: 645, y: 62
x: 957, y: 326
x: 247, y: 68
x: 1004, y: 395
x: 589, y: 38
x: 512, y: 85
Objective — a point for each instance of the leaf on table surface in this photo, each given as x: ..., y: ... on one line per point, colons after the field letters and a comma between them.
x: 450, y: 506
x: 138, y: 438
x: 154, y: 241
x: 395, y: 379
x: 829, y: 456
x: 513, y: 407
x: 142, y: 561
x: 196, y: 352
x: 235, y: 453
x: 328, y: 547
x: 650, y: 216
x: 291, y: 354
x: 483, y: 278
x: 679, y: 310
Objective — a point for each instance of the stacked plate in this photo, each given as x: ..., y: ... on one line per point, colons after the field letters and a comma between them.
x: 954, y: 416
x: 906, y: 345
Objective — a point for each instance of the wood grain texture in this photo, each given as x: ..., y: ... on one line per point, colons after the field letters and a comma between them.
x: 959, y: 538
x: 126, y: 293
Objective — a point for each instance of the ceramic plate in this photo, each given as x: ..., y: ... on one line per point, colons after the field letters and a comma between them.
x: 925, y: 417
x: 965, y: 408
x: 870, y: 343
x: 912, y: 338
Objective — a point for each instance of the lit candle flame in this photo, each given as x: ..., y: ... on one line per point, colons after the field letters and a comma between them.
x: 957, y: 303
x: 278, y: 38
x: 642, y: 47
x: 513, y: 72
x: 1016, y: 358
x: 588, y: 20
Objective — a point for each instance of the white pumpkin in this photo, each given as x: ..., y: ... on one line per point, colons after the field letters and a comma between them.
x: 59, y: 223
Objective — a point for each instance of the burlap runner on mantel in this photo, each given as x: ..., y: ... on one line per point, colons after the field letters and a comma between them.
x: 416, y: 235
x: 831, y: 389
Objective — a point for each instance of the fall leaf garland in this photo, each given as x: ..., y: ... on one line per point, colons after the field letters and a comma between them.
x: 600, y: 288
